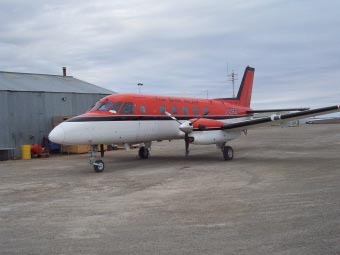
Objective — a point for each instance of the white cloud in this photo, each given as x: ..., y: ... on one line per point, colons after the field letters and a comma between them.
x: 177, y: 47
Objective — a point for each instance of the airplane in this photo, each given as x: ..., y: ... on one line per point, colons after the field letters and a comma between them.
x: 130, y: 119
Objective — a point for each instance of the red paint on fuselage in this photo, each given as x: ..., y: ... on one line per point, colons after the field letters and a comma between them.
x: 151, y: 105
x: 185, y: 106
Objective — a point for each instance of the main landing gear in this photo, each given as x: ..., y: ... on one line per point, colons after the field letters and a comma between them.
x: 227, y: 151
x: 144, y: 151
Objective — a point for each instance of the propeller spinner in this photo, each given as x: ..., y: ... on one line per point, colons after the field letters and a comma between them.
x: 186, y: 127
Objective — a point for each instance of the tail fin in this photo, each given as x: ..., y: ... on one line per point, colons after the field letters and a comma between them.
x: 244, y: 93
x: 246, y: 87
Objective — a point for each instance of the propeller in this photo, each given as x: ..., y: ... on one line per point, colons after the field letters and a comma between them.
x: 186, y: 127
x: 172, y: 117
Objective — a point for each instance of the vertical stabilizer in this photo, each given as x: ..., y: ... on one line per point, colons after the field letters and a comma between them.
x: 246, y: 87
x: 244, y: 93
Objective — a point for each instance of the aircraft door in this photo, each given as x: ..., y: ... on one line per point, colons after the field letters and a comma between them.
x: 129, y: 124
x: 147, y: 125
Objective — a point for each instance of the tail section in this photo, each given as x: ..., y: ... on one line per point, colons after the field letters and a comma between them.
x: 244, y: 93
x: 246, y: 87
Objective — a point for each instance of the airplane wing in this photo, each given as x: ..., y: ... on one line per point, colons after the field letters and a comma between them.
x: 267, y: 121
x: 277, y: 110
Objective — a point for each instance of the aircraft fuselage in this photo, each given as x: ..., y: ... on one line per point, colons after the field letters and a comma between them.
x: 135, y: 118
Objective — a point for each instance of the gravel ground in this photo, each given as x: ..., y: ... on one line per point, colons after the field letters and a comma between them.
x: 280, y: 195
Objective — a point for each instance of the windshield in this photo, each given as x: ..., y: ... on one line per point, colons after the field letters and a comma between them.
x: 96, y: 106
x: 106, y: 106
x: 115, y: 106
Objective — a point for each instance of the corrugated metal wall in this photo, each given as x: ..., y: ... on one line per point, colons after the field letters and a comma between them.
x: 26, y: 117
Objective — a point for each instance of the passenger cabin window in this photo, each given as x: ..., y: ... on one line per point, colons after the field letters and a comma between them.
x: 162, y: 109
x: 185, y: 110
x: 105, y: 106
x: 205, y: 110
x: 128, y: 108
x: 142, y: 109
x: 174, y: 109
x: 195, y: 110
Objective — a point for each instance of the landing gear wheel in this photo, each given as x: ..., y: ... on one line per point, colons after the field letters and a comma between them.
x: 143, y: 153
x: 98, y: 166
x: 228, y: 153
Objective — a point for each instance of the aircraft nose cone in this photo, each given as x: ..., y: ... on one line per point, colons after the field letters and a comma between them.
x: 57, y: 135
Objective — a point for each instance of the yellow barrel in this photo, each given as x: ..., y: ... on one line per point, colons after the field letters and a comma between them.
x: 26, y: 151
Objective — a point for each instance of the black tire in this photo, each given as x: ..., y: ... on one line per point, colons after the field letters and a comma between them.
x: 143, y: 153
x: 99, y: 166
x: 228, y: 153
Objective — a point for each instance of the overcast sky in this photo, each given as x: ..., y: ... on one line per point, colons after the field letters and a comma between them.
x: 181, y: 47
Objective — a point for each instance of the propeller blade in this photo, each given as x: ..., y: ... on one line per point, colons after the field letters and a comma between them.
x: 172, y: 117
x: 186, y: 127
x: 186, y: 139
x: 204, y: 114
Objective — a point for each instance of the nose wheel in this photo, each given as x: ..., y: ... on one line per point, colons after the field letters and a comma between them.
x: 98, y: 164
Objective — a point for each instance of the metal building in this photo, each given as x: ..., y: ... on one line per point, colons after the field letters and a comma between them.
x: 28, y: 103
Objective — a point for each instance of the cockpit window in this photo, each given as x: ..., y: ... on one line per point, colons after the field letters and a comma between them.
x: 96, y: 106
x: 105, y: 106
x: 128, y: 108
x: 116, y: 106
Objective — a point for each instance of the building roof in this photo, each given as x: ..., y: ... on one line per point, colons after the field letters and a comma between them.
x: 12, y: 81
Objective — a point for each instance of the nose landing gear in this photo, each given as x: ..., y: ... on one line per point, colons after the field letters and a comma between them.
x: 98, y: 164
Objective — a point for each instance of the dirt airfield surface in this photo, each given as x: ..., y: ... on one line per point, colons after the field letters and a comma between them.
x: 280, y: 195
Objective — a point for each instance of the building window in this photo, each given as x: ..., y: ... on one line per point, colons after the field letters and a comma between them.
x: 185, y: 110
x: 128, y: 108
x: 142, y: 109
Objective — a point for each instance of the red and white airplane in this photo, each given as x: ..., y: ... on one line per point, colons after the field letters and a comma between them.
x: 140, y: 119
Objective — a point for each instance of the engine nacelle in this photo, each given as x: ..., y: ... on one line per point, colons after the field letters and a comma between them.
x: 213, y: 137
